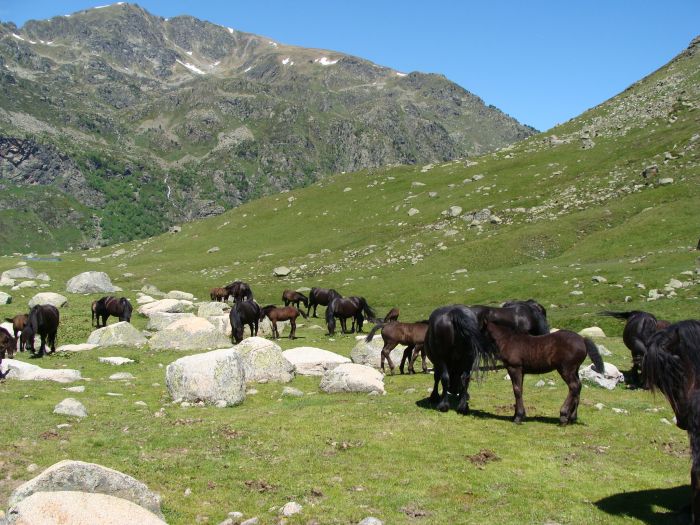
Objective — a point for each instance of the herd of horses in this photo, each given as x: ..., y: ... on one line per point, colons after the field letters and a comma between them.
x: 461, y: 342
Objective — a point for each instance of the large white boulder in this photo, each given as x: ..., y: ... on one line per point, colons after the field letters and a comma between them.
x: 212, y: 377
x: 609, y: 380
x: 212, y: 309
x: 70, y: 407
x: 80, y: 476
x: 310, y: 361
x: 177, y: 294
x: 263, y: 361
x: 351, y: 377
x: 90, y: 282
x: 23, y: 272
x: 190, y: 333
x: 54, y: 299
x: 165, y: 306
x: 370, y: 353
x: 117, y: 334
x: 6, y: 281
x: 222, y: 324
x: 144, y: 299
x: 160, y: 320
x: 28, y: 372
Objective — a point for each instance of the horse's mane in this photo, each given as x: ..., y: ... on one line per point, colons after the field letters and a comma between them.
x: 268, y: 307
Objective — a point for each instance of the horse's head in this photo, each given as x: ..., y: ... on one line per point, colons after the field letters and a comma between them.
x: 330, y: 318
x: 127, y: 309
x: 27, y: 336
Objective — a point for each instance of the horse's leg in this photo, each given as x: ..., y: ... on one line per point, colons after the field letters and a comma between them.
x: 315, y: 306
x: 434, y: 396
x: 694, y: 435
x: 444, y: 404
x: 638, y: 352
x: 388, y: 347
x: 516, y: 378
x: 52, y: 342
x: 344, y: 325
x: 423, y: 357
x: 569, y: 410
x: 293, y: 324
x: 404, y: 357
x: 463, y: 406
x: 42, y: 347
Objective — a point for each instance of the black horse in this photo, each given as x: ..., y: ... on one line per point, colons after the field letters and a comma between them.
x: 110, y: 305
x: 242, y: 313
x: 348, y: 307
x: 43, y: 320
x: 525, y: 316
x: 320, y: 296
x: 639, y: 328
x: 456, y: 346
x: 672, y: 364
x: 7, y: 346
x: 240, y: 291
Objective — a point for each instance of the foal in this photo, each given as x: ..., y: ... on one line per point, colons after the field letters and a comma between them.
x: 19, y: 321
x: 410, y: 334
x: 292, y: 297
x: 286, y: 313
x: 563, y: 351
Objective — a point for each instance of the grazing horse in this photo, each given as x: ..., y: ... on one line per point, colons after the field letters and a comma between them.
x: 219, y: 294
x: 7, y: 346
x: 392, y: 315
x: 18, y: 323
x: 240, y: 291
x: 110, y: 305
x: 292, y: 297
x: 410, y: 334
x: 456, y: 346
x: 519, y: 315
x: 563, y: 351
x: 672, y: 364
x: 320, y: 296
x: 347, y: 307
x: 639, y: 327
x: 244, y: 312
x: 287, y: 313
x: 43, y: 320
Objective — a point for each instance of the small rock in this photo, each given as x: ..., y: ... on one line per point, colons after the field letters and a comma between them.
x: 121, y: 376
x: 576, y: 292
x: 540, y: 383
x: 665, y: 181
x: 32, y: 468
x: 620, y: 411
x: 221, y: 403
x: 281, y: 271
x: 290, y: 509
x: 251, y: 521
x: 599, y: 406
x: 289, y: 391
x: 70, y: 407
x: 75, y: 389
x: 213, y: 249
x: 116, y: 361
x: 370, y: 520
x: 599, y: 279
x: 141, y: 403
x: 188, y: 492
x: 413, y: 211
x: 592, y: 331
x: 665, y: 421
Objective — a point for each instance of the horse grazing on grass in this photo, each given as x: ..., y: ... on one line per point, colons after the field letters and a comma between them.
x: 7, y: 347
x: 293, y: 297
x: 43, y: 320
x: 525, y: 316
x: 563, y: 351
x: 287, y: 313
x: 244, y: 312
x: 110, y: 305
x: 639, y: 327
x: 348, y: 307
x: 219, y: 295
x: 456, y: 346
x: 672, y: 365
x: 320, y: 296
x: 19, y: 321
x: 392, y: 315
x: 410, y: 334
x: 240, y: 291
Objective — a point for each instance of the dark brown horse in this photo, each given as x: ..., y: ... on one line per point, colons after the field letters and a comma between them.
x: 295, y: 298
x: 563, y: 351
x: 672, y: 364
x: 410, y: 334
x: 242, y: 313
x: 348, y: 307
x: 19, y: 321
x: 392, y: 315
x: 287, y: 313
x: 219, y: 295
x: 7, y: 347
x: 320, y: 296
x: 110, y: 305
x: 639, y: 328
x: 43, y: 320
x: 456, y: 347
x: 525, y: 316
x: 240, y: 291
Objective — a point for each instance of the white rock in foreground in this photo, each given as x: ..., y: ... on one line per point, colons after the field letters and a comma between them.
x: 263, y: 361
x: 117, y: 334
x: 612, y: 376
x: 28, y: 372
x: 51, y: 298
x: 190, y: 333
x: 70, y: 407
x: 90, y: 282
x: 310, y: 361
x: 351, y: 377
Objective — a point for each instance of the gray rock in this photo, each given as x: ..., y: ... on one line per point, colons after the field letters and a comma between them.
x: 117, y: 334
x: 161, y: 320
x: 213, y: 249
x: 23, y: 272
x: 43, y: 277
x: 251, y: 521
x: 51, y: 298
x: 351, y: 377
x: 213, y: 309
x: 24, y: 284
x: 23, y: 371
x: 76, y: 348
x: 608, y: 380
x: 6, y: 281
x: 144, y: 299
x: 122, y: 376
x: 289, y: 391
x: 263, y: 361
x: 149, y: 289
x: 75, y: 389
x: 370, y: 520
x: 281, y: 271
x: 5, y: 298
x: 290, y: 509
x: 665, y: 181
x: 310, y: 361
x: 165, y: 306
x: 599, y: 279
x: 70, y: 407
x: 189, y: 333
x: 592, y: 331
x: 413, y: 211
x: 90, y: 282
x: 116, y: 361
x: 180, y: 296
x: 453, y: 211
x: 370, y: 353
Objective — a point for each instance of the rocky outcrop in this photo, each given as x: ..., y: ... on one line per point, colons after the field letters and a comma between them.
x: 161, y: 320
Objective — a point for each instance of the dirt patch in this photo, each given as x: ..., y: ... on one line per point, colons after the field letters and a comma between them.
x: 414, y: 512
x: 260, y: 485
x: 49, y: 434
x: 230, y: 433
x: 184, y: 422
x: 483, y: 457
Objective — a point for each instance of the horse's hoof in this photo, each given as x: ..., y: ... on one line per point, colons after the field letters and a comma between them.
x: 443, y: 406
x: 518, y: 420
x: 463, y: 410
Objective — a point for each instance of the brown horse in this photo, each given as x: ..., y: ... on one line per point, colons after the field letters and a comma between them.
x: 7, y: 346
x: 392, y: 315
x: 294, y: 297
x: 18, y: 323
x: 348, y: 307
x: 563, y: 351
x: 410, y: 334
x: 286, y: 313
x: 219, y: 294
x: 320, y: 296
x: 110, y: 305
x: 525, y: 316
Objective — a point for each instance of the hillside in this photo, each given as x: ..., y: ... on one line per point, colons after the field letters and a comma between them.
x: 148, y: 121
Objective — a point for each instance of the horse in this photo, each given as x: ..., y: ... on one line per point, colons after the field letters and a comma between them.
x: 347, y: 307
x: 18, y: 323
x: 456, y: 346
x: 219, y: 294
x: 410, y: 334
x: 43, y: 320
x: 244, y: 312
x: 110, y: 305
x: 293, y: 297
x: 240, y: 291
x: 525, y: 316
x: 320, y: 296
x: 7, y: 346
x: 563, y: 351
x: 530, y: 302
x: 639, y: 327
x: 392, y: 315
x: 671, y: 364
x: 287, y: 313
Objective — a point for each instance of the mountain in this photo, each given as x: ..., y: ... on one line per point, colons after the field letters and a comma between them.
x: 115, y: 123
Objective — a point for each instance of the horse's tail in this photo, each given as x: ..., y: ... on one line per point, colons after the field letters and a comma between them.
x: 664, y: 371
x: 594, y: 354
x: 367, y: 310
x: 370, y: 335
x: 484, y: 353
x: 304, y: 299
x: 617, y: 315
x: 92, y: 310
x: 542, y: 326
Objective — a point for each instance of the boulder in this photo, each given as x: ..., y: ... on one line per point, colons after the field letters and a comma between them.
x: 6, y: 281
x: 121, y: 376
x: 369, y: 354
x: 149, y: 289
x: 310, y: 361
x: 161, y: 320
x: 90, y: 282
x: 116, y: 361
x: 80, y: 476
x: 144, y: 299
x: 24, y: 284
x: 54, y: 299
x: 165, y: 305
x: 23, y: 272
x: 281, y: 271
x: 608, y: 380
x: 212, y: 309
x: 5, y: 298
x: 263, y: 361
x: 117, y: 334
x: 190, y: 333
x: 222, y: 324
x: 177, y: 294
x: 351, y: 377
x: 592, y: 331
x: 76, y: 348
x: 210, y: 377
x: 453, y: 211
x: 28, y: 372
x: 70, y: 407
x: 43, y: 277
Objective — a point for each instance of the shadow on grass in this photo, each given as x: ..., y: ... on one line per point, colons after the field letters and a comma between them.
x: 647, y: 505
x: 480, y: 414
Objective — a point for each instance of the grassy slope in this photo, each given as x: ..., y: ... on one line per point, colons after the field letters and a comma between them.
x: 401, y: 458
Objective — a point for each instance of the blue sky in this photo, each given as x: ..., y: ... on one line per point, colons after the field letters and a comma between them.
x: 541, y: 62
